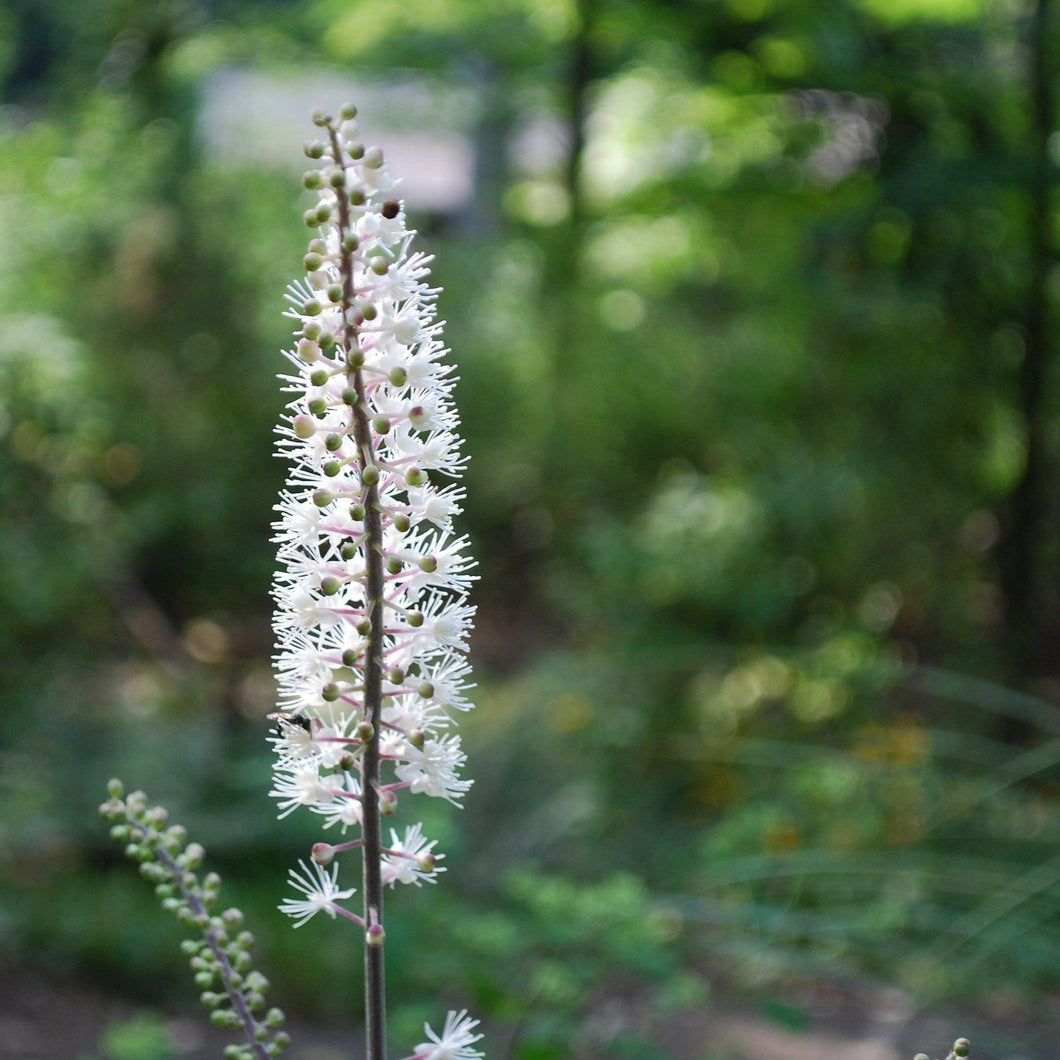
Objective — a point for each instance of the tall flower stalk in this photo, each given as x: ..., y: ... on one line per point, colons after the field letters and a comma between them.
x: 371, y: 618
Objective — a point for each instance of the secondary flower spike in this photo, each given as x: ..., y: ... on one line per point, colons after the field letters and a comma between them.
x: 372, y: 617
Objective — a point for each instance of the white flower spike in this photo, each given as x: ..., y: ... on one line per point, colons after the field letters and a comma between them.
x: 371, y: 618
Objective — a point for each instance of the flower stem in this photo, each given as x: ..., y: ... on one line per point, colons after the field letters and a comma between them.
x: 374, y: 979
x: 371, y: 830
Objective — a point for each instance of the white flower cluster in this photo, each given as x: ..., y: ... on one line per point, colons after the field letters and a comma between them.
x: 372, y: 618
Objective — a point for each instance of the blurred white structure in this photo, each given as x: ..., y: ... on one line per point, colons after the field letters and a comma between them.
x: 425, y: 127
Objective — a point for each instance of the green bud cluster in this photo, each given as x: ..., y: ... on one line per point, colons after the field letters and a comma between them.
x: 220, y: 956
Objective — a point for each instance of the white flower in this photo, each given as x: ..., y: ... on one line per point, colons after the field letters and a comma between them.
x: 433, y: 769
x: 411, y: 859
x: 299, y: 785
x: 321, y: 890
x: 345, y: 808
x: 455, y: 1041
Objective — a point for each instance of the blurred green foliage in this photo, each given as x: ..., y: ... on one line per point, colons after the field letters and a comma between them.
x: 754, y: 311
x: 143, y: 1037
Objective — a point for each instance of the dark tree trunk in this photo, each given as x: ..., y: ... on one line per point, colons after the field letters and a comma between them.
x: 1023, y: 570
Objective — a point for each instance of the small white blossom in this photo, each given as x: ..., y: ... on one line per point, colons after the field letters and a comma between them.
x: 410, y: 858
x: 434, y: 769
x: 299, y: 785
x: 344, y: 809
x: 455, y: 1041
x: 321, y: 890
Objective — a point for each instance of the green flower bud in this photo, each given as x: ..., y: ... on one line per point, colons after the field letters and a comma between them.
x: 314, y: 148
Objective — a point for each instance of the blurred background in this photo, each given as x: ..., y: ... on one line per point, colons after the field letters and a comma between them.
x: 755, y: 309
